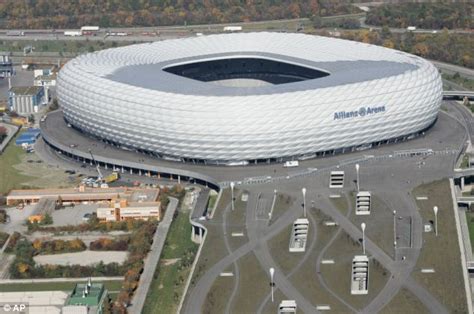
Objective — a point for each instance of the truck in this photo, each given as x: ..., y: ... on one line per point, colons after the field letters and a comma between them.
x: 90, y: 28
x: 114, y: 176
x: 232, y: 28
x: 72, y: 33
x: 411, y: 28
x: 291, y: 164
x: 15, y: 33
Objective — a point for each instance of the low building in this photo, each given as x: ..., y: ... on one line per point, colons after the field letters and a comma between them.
x: 360, y: 275
x: 146, y: 207
x: 6, y: 65
x: 28, y: 137
x: 121, y: 203
x: 363, y: 203
x: 86, y: 298
x: 78, y: 195
x: 26, y: 99
x: 299, y: 235
x: 45, y: 80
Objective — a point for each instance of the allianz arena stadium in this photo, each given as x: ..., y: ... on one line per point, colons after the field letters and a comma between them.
x: 249, y: 97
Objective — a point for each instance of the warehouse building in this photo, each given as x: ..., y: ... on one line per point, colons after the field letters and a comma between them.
x: 26, y: 99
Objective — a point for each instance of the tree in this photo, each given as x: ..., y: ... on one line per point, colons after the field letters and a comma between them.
x: 47, y: 219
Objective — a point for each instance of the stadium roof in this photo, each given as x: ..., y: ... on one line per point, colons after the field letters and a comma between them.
x: 347, y: 63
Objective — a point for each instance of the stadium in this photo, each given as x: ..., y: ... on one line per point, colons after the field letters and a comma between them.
x: 234, y: 99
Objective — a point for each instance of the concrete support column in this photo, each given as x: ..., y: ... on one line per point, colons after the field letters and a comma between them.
x: 158, y: 174
x: 131, y: 171
x: 139, y: 171
x: 462, y: 183
x: 105, y: 166
x: 200, y: 235
x: 179, y: 179
x: 123, y: 170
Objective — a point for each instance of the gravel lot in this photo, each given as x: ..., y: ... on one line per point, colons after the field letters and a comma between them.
x: 83, y: 258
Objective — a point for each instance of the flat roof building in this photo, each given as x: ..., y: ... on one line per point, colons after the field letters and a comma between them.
x: 80, y: 194
x: 26, y: 99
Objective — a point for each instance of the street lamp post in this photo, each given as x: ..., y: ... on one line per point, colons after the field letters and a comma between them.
x: 304, y: 201
x: 435, y: 209
x: 362, y: 225
x: 272, y: 283
x: 232, y: 184
x: 394, y: 229
x: 357, y: 173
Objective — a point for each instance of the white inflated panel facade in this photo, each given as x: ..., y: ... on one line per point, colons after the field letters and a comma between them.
x: 248, y: 126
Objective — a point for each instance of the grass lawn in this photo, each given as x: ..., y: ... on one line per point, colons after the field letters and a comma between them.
x: 305, y: 279
x: 236, y: 221
x: 279, y: 245
x: 219, y: 294
x: 465, y: 162
x: 111, y: 285
x: 382, y: 216
x: 253, y: 285
x: 338, y: 275
x: 212, y: 200
x: 470, y: 225
x: 272, y: 308
x: 10, y: 177
x: 175, y: 263
x: 341, y: 204
x: 214, y: 247
x: 404, y: 302
x: 441, y: 252
x: 282, y: 203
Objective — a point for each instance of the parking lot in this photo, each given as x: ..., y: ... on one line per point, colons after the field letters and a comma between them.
x: 73, y: 215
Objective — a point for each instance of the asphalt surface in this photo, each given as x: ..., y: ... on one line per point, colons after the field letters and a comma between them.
x: 390, y: 178
x: 436, y: 138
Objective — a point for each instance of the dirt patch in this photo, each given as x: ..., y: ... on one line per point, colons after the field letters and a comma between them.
x: 83, y: 258
x: 170, y: 261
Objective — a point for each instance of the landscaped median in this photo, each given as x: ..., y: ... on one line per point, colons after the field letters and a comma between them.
x: 176, y: 259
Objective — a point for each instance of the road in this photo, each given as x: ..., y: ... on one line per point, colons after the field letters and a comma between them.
x: 453, y: 69
x: 11, y: 131
x: 153, y: 258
